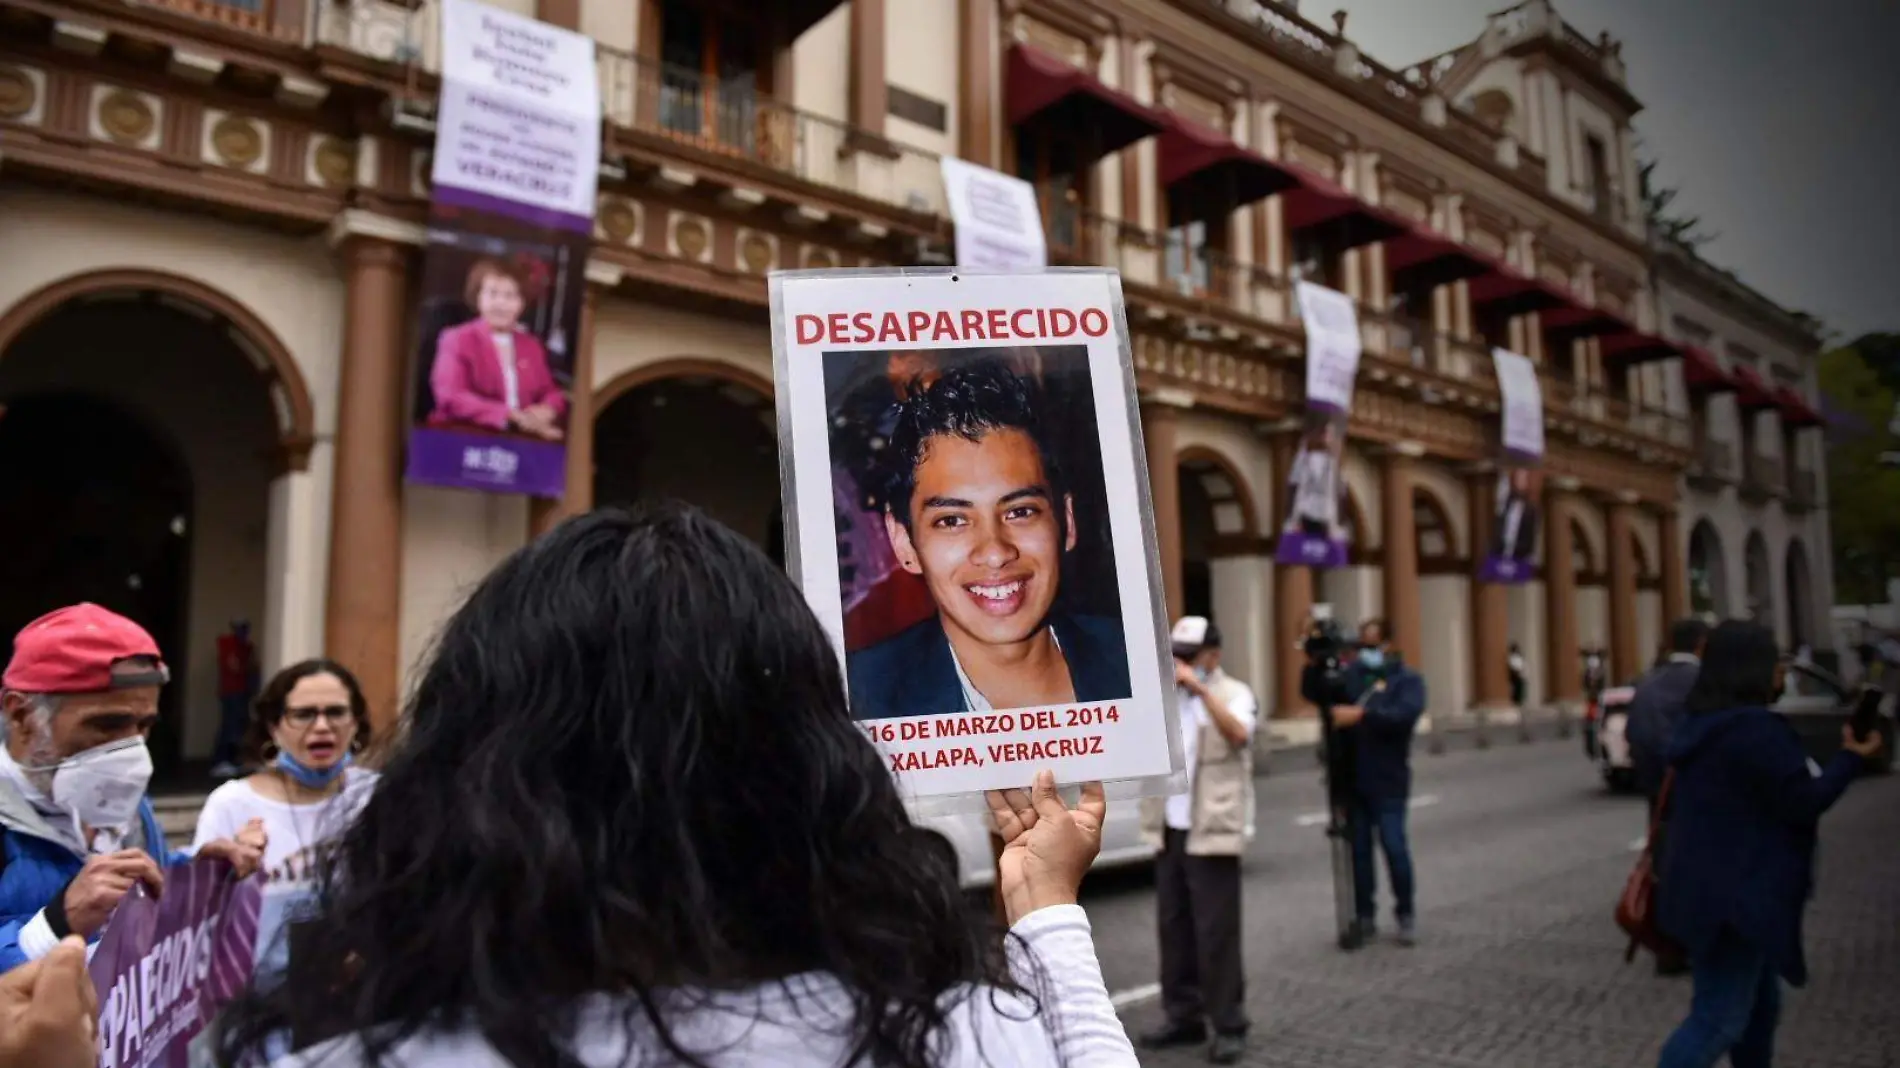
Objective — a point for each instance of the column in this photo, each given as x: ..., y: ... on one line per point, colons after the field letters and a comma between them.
x: 1159, y: 430
x: 1400, y: 541
x: 1292, y: 595
x: 869, y: 91
x: 563, y: 13
x: 578, y: 495
x: 976, y: 82
x: 1563, y: 672
x: 1626, y: 656
x: 1490, y: 611
x: 1675, y: 570
x: 364, y: 604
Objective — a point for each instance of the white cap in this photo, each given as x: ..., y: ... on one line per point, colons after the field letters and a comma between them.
x: 1189, y: 631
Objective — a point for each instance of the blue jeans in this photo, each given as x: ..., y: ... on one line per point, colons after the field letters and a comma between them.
x: 1387, y: 816
x: 1736, y: 1005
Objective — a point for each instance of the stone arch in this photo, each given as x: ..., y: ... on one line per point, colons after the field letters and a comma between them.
x: 679, y: 367
x: 1708, y: 570
x: 1586, y: 556
x: 267, y: 353
x: 1800, y: 594
x: 1758, y: 579
x: 1356, y: 530
x: 1226, y: 489
x: 1437, y: 538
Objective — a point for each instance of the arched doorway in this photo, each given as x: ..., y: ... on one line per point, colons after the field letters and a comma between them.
x: 1708, y: 576
x: 1800, y: 596
x: 146, y: 418
x: 693, y: 431
x: 1760, y: 578
x: 1217, y: 520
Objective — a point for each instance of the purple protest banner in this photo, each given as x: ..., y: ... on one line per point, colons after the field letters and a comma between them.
x: 1313, y: 532
x: 1518, y: 516
x: 164, y: 967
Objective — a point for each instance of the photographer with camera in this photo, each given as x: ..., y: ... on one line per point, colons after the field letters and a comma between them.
x: 1378, y: 723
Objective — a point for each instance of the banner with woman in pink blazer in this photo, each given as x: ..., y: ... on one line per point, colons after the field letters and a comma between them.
x: 510, y: 225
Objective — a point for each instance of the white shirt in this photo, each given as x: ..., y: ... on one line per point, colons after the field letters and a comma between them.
x: 803, y: 1022
x: 1315, y: 491
x: 505, y: 355
x: 973, y: 699
x: 1244, y: 707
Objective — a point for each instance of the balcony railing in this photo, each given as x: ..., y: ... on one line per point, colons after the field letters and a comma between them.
x: 1761, y: 477
x: 1714, y: 461
x: 1803, y: 490
x: 267, y: 18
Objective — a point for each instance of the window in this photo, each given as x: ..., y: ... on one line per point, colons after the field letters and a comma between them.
x: 1195, y: 244
x: 1598, y: 175
x: 1317, y: 258
x: 710, y: 72
x: 1045, y: 159
x: 1411, y: 321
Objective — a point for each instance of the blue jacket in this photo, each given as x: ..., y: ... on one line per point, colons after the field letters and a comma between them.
x: 1739, y: 851
x: 913, y: 674
x: 38, y: 865
x: 1654, y: 713
x: 1384, y: 736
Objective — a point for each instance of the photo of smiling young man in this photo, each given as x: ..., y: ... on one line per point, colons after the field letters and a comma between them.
x: 978, y: 505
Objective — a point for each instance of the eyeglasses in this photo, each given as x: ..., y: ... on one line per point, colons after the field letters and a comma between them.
x: 335, y: 715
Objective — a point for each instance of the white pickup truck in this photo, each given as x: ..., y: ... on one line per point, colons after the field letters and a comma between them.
x: 1121, y: 842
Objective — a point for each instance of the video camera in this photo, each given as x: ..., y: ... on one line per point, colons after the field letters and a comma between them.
x: 1323, y: 680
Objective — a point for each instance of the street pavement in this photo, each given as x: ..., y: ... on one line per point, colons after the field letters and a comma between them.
x: 1520, y: 855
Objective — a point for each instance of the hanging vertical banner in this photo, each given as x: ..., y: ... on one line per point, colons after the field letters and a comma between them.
x: 517, y: 158
x: 975, y: 438
x: 999, y: 226
x: 1513, y: 554
x: 1314, y: 531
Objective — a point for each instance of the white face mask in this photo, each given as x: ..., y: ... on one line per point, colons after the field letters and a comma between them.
x: 102, y: 787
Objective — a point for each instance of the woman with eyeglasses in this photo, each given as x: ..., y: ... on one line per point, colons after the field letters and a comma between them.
x: 306, y: 727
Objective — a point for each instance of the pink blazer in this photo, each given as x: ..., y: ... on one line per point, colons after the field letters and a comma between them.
x: 468, y: 385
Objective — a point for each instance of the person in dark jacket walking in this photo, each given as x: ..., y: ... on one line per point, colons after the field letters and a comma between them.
x: 1744, y: 809
x: 1391, y: 699
x: 1656, y: 708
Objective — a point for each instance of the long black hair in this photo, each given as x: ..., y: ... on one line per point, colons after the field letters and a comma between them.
x: 629, y: 768
x: 1738, y: 668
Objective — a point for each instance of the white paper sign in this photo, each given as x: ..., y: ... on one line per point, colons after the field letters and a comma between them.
x: 985, y: 423
x: 519, y: 119
x: 1333, y: 345
x: 1523, y: 401
x: 999, y: 226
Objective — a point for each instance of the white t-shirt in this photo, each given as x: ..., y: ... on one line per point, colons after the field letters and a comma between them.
x: 1245, y: 708
x: 295, y: 832
x: 505, y: 355
x: 803, y: 1021
x: 1315, y: 493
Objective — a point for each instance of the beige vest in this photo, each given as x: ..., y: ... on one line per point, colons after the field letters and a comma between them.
x: 1221, y: 811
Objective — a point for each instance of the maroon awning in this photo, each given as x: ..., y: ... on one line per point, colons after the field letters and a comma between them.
x: 1575, y: 322
x: 1702, y: 372
x: 1751, y: 393
x: 1629, y: 346
x: 1505, y: 291
x: 1318, y: 202
x: 1795, y: 410
x: 1046, y: 91
x: 1207, y: 175
x: 1422, y: 258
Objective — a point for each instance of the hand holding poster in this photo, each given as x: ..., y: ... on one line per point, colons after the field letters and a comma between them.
x: 1314, y: 532
x: 985, y: 423
x: 163, y: 968
x: 1513, y: 555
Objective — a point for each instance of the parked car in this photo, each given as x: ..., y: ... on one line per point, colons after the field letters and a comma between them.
x: 1121, y: 842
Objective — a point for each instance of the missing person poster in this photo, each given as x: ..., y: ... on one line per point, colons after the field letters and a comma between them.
x: 1513, y: 554
x: 517, y: 156
x: 1313, y: 532
x: 962, y: 458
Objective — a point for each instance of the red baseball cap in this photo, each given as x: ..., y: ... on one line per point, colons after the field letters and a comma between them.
x: 73, y: 649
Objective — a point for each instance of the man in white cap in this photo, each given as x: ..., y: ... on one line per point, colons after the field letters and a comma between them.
x: 1201, y: 835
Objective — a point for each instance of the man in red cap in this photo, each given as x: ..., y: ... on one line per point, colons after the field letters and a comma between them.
x: 79, y: 697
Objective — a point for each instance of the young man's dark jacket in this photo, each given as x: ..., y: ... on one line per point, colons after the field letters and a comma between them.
x: 1382, y: 750
x: 1743, y: 812
x: 913, y: 674
x: 1653, y: 715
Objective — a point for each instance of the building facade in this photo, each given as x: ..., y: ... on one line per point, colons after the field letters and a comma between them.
x: 211, y: 211
x: 1754, y: 498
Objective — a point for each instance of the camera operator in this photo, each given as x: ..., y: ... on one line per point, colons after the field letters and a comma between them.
x: 1380, y: 721
x: 1202, y: 834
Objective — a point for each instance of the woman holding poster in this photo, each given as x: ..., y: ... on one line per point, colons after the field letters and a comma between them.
x: 633, y: 821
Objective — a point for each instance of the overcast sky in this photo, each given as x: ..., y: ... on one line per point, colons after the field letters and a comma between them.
x: 1778, y: 121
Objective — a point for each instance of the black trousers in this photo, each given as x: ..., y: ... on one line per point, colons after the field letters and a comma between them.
x: 1198, y: 906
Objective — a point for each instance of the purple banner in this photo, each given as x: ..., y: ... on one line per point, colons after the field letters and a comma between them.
x: 534, y: 215
x: 1515, y: 526
x: 1314, y: 532
x: 163, y: 968
x: 464, y: 460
